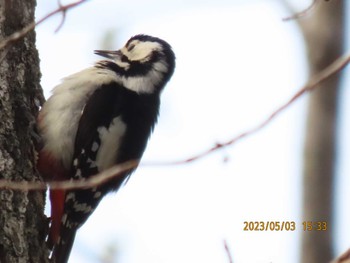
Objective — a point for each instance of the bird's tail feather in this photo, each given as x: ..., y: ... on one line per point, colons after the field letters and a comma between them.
x: 61, y: 251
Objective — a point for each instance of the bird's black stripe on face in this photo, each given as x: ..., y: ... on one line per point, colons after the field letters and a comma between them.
x: 136, y: 69
x: 125, y: 59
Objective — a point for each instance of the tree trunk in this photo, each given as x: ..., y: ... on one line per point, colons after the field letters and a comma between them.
x: 323, y: 31
x: 22, y: 221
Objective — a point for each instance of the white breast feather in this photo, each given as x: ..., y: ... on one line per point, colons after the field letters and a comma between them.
x: 63, y: 110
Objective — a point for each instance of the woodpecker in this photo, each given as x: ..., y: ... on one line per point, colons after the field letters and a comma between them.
x: 97, y: 118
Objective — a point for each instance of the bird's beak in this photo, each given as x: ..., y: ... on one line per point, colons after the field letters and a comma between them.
x: 109, y: 54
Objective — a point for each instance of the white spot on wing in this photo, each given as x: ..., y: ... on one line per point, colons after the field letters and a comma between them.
x: 110, y: 142
x: 97, y: 194
x: 78, y: 174
x: 91, y: 162
x: 69, y: 224
x: 94, y: 147
x: 64, y: 219
x: 75, y: 162
x: 82, y: 207
x: 70, y: 196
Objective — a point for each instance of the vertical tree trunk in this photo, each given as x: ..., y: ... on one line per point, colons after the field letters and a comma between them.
x: 22, y: 221
x: 323, y: 31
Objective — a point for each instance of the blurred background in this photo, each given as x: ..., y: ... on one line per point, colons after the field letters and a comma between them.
x: 237, y: 62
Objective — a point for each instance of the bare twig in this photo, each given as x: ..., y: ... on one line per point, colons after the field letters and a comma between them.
x: 93, y: 181
x: 228, y: 252
x: 344, y: 258
x: 22, y: 33
x: 312, y: 84
x: 64, y: 12
x: 302, y: 13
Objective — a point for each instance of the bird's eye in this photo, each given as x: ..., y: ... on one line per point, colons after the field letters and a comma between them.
x: 131, y: 47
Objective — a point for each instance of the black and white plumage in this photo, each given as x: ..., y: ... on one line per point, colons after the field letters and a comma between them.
x: 95, y: 119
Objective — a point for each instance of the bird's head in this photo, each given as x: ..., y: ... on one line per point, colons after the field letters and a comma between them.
x: 141, y: 55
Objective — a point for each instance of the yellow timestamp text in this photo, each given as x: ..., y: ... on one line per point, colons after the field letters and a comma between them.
x: 269, y: 226
x: 315, y: 226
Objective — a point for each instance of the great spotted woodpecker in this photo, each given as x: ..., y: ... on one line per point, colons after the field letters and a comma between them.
x: 97, y: 118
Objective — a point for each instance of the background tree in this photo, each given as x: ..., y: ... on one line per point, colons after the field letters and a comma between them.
x: 22, y: 219
x: 323, y: 31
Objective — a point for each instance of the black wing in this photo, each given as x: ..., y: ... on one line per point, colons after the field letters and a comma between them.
x: 105, y: 104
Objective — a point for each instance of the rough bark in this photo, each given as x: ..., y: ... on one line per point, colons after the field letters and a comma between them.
x: 22, y: 221
x: 323, y: 31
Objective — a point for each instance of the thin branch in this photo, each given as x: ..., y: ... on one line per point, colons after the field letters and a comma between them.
x: 312, y: 84
x: 23, y: 32
x: 228, y: 252
x: 302, y: 13
x: 93, y: 181
x: 100, y: 178
x: 344, y: 258
x: 64, y: 12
